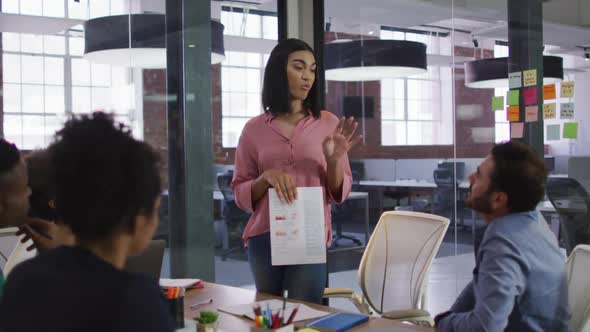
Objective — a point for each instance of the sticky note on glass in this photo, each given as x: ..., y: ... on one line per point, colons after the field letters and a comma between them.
x: 566, y: 111
x: 531, y: 113
x: 512, y: 114
x: 497, y: 103
x: 516, y: 129
x: 515, y: 80
x: 513, y: 96
x: 567, y: 89
x: 529, y: 77
x: 530, y: 95
x: 570, y: 130
x: 549, y: 111
x: 553, y: 132
x: 549, y: 92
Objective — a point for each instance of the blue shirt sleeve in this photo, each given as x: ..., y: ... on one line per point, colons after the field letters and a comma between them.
x: 500, y: 279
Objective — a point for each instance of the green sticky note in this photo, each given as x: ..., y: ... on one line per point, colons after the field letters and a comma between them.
x: 570, y: 130
x: 497, y: 103
x: 513, y: 96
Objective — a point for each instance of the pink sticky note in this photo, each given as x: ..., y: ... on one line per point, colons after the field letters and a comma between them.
x: 516, y: 130
x: 531, y: 113
x: 530, y: 95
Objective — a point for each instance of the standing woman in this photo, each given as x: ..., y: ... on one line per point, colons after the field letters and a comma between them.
x: 293, y: 144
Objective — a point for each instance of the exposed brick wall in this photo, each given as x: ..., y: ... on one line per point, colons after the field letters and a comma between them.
x: 155, y: 128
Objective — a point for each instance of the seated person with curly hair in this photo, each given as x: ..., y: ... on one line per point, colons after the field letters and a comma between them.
x: 107, y: 188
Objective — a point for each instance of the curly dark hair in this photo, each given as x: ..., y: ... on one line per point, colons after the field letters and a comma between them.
x: 520, y: 173
x: 103, y: 177
x: 276, y: 98
x: 9, y: 156
x: 41, y: 184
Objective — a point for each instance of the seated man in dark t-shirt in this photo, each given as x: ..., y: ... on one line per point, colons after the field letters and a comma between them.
x: 107, y: 192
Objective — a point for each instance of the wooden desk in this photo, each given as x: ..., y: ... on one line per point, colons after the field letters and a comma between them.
x: 224, y: 296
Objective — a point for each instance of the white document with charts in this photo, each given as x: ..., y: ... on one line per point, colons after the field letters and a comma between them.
x: 297, y: 230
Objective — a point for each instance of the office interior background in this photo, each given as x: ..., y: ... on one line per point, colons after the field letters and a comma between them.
x: 424, y: 133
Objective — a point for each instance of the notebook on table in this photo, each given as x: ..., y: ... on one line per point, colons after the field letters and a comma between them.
x: 337, y: 322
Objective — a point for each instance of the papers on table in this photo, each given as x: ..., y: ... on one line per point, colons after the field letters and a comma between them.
x: 246, y: 310
x: 184, y: 283
x: 297, y: 230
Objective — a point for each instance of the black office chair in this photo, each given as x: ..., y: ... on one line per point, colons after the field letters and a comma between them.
x: 343, y: 212
x: 443, y: 196
x: 235, y: 219
x: 571, y: 201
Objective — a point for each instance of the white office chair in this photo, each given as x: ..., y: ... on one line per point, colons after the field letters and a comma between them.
x: 19, y: 252
x: 393, y: 272
x: 578, y: 269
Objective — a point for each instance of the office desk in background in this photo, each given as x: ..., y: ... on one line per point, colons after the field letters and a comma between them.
x: 407, y: 184
x: 224, y: 296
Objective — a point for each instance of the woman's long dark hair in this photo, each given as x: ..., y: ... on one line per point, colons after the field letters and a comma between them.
x: 276, y: 98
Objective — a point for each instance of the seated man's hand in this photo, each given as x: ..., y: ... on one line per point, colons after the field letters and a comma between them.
x: 45, y: 235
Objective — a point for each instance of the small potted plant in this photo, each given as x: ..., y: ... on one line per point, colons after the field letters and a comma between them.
x: 207, y: 321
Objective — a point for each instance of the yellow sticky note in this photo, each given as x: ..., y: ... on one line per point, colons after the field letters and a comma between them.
x: 497, y: 103
x: 570, y: 130
x: 549, y: 111
x: 529, y: 77
x: 516, y: 130
x: 512, y: 114
x: 567, y: 89
x: 513, y: 96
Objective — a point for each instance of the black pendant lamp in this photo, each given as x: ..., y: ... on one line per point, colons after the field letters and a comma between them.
x: 493, y: 72
x: 137, y: 40
x: 373, y: 59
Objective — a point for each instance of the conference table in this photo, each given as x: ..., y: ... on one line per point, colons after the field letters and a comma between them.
x: 224, y: 296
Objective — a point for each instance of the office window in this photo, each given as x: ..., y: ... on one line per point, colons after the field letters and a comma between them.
x: 418, y: 110
x: 249, y: 23
x: 242, y: 72
x: 39, y: 72
x: 241, y: 89
x: 51, y: 8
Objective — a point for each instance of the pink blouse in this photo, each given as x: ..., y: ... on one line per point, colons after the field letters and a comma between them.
x: 262, y: 146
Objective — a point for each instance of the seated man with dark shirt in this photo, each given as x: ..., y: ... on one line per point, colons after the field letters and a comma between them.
x: 107, y: 192
x: 519, y: 281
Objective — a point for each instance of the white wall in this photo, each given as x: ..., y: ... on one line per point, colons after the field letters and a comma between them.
x: 581, y: 146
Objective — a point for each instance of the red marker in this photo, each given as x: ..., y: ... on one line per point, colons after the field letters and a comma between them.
x: 292, y: 316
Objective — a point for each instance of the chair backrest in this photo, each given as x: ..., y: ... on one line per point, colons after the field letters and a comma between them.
x: 394, y: 269
x: 458, y: 166
x: 444, y: 177
x: 224, y: 182
x: 231, y: 211
x: 571, y: 201
x: 149, y: 261
x: 578, y: 269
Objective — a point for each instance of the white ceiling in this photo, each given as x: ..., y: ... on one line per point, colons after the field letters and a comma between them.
x: 35, y: 24
x: 566, y: 22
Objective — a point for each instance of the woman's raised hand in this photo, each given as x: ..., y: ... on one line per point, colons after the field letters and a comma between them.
x: 337, y: 144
